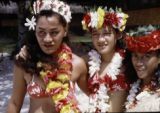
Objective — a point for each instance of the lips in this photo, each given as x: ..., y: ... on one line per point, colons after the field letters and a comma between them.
x: 140, y: 70
x: 48, y: 46
x: 102, y: 45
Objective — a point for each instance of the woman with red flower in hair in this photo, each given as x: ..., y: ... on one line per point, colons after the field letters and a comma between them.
x: 107, y: 85
x: 143, y: 69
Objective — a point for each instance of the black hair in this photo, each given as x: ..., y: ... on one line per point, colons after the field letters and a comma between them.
x: 33, y: 48
x: 130, y: 72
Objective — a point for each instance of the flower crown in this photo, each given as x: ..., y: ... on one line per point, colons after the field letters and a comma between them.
x: 143, y: 39
x: 54, y: 5
x: 102, y: 18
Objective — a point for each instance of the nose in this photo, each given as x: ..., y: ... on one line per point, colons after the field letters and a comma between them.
x: 48, y: 38
x: 140, y: 61
x: 101, y: 38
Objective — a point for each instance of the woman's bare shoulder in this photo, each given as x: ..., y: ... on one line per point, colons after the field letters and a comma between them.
x: 18, y: 70
x: 78, y: 62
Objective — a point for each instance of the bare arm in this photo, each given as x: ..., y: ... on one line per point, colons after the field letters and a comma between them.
x: 81, y: 73
x: 117, y: 99
x: 19, y: 90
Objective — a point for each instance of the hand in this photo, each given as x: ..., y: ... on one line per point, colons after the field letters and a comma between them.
x: 23, y: 54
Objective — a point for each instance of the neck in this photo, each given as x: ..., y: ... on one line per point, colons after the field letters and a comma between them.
x: 107, y: 57
x: 147, y: 80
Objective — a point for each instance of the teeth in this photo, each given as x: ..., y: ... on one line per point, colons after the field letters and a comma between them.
x: 105, y: 43
x: 141, y: 68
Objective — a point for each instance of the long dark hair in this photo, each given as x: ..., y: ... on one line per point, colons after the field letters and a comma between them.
x: 130, y: 72
x: 33, y: 48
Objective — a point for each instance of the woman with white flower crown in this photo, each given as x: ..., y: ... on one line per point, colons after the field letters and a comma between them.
x: 50, y: 69
x: 143, y: 68
x: 107, y: 85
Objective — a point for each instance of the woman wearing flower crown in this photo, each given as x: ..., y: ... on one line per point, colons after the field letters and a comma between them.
x: 143, y: 69
x: 106, y: 83
x: 47, y: 72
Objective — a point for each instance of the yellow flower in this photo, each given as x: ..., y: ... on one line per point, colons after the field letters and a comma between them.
x: 84, y: 25
x: 101, y: 14
x: 60, y: 96
x: 64, y: 56
x: 43, y: 74
x: 56, y: 84
x: 126, y: 16
x: 53, y: 84
x: 63, y: 77
x: 68, y: 109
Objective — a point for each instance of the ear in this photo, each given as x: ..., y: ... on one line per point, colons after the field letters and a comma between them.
x: 66, y: 31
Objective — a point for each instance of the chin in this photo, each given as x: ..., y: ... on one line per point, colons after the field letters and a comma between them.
x: 142, y: 75
x: 103, y: 51
x: 49, y: 52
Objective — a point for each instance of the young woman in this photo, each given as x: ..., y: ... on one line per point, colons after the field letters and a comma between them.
x: 47, y: 72
x: 106, y: 83
x: 143, y: 69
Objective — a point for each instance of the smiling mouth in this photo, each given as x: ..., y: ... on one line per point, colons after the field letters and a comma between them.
x: 140, y: 69
x: 48, y: 46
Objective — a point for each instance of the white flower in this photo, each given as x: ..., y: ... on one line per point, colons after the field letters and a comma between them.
x: 143, y: 95
x: 103, y: 106
x: 132, y: 94
x: 100, y: 99
x: 113, y: 67
x: 94, y: 20
x: 54, y: 5
x: 94, y: 63
x: 31, y: 23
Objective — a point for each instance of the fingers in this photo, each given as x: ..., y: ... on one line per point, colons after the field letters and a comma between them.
x: 23, y: 53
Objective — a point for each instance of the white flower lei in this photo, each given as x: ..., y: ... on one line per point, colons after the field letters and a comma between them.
x: 100, y: 99
x: 133, y: 95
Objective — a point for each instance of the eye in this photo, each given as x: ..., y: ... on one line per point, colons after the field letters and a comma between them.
x: 147, y: 55
x: 134, y: 55
x: 54, y: 33
x: 41, y: 33
x: 95, y: 35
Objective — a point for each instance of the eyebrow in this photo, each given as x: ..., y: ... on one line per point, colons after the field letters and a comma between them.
x: 50, y: 29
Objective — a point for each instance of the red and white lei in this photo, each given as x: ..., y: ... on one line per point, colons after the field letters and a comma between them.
x: 138, y: 96
x: 99, y: 98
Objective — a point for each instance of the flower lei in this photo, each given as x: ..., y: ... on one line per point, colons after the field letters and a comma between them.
x: 57, y: 80
x: 134, y: 97
x: 143, y: 40
x: 97, y: 85
x: 54, y: 5
x: 102, y: 18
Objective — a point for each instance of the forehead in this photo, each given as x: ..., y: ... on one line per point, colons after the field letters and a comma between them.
x: 106, y: 29
x: 48, y: 22
x: 143, y: 54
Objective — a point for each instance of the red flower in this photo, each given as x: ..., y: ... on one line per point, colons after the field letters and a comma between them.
x: 87, y: 18
x: 110, y: 19
x: 93, y: 83
x: 145, y: 43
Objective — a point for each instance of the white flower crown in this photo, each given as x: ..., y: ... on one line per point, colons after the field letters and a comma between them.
x: 54, y: 5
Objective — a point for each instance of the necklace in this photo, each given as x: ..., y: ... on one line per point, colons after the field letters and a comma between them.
x: 57, y: 80
x: 144, y: 92
x: 98, y: 100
